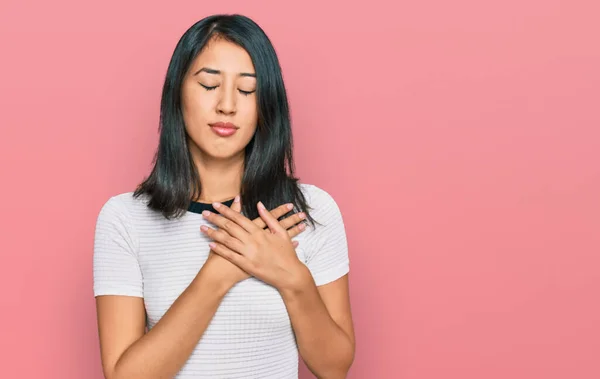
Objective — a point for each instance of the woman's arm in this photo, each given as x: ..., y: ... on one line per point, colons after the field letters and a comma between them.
x: 128, y: 353
x: 320, y: 316
x: 322, y: 322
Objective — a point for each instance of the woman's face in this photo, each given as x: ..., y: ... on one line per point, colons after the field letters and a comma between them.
x: 220, y: 87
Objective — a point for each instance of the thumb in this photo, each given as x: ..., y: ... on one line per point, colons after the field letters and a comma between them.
x: 237, y: 204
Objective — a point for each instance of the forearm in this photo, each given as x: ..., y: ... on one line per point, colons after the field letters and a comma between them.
x: 162, y: 351
x: 324, y: 346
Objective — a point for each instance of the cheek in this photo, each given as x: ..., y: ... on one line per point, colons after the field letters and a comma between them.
x: 248, y: 111
x: 248, y: 118
x: 196, y: 109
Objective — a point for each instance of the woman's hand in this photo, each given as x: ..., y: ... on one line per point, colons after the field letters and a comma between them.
x: 225, y: 271
x: 267, y: 254
x: 233, y: 274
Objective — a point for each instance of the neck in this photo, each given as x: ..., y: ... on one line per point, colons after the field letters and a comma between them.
x: 221, y: 179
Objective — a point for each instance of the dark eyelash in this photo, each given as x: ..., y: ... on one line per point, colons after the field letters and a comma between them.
x: 207, y: 88
x: 245, y: 93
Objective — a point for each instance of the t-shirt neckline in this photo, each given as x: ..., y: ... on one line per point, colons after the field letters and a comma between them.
x: 198, y: 207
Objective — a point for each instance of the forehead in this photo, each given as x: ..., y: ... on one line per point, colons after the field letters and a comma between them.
x: 220, y: 54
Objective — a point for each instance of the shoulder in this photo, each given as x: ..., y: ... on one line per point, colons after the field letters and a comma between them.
x: 317, y: 197
x: 123, y: 207
x: 120, y: 203
x: 322, y: 205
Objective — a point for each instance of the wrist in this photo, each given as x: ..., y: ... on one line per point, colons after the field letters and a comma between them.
x: 216, y: 284
x: 298, y: 281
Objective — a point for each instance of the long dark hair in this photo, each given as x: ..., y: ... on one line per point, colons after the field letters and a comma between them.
x: 268, y: 167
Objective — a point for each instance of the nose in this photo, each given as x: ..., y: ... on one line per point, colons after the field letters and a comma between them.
x: 227, y: 101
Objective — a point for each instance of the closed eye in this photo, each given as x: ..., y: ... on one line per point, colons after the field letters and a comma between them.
x: 207, y: 87
x: 245, y: 93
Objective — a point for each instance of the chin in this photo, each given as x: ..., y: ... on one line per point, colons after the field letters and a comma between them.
x: 223, y: 157
x: 223, y: 154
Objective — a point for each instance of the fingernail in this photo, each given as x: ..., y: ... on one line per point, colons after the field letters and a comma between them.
x: 212, y: 245
x: 290, y: 206
x: 204, y: 228
x: 301, y: 226
x: 237, y: 199
x: 302, y: 215
x: 260, y: 205
x: 206, y: 213
x: 216, y: 205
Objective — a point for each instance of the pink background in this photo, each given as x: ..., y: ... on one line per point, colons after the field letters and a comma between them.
x: 460, y: 139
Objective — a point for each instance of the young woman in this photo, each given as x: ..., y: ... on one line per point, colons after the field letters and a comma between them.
x: 196, y: 274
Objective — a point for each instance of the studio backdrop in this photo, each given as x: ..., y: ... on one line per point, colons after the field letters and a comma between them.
x: 460, y: 139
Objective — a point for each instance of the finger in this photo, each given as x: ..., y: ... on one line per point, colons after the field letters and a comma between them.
x: 271, y: 222
x: 277, y: 212
x: 225, y: 224
x: 281, y: 210
x: 292, y: 220
x: 237, y: 204
x: 293, y: 232
x: 259, y: 223
x: 228, y: 254
x: 238, y: 219
x: 223, y: 238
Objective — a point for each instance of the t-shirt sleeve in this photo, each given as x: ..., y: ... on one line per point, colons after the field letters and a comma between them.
x: 115, y: 264
x: 327, y: 256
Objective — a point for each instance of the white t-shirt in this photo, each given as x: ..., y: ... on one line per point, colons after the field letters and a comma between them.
x: 137, y: 252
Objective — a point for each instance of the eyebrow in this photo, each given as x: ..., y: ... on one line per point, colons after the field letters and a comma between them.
x: 218, y: 72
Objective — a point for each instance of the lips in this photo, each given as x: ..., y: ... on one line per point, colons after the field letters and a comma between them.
x: 223, y: 125
x: 223, y: 129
